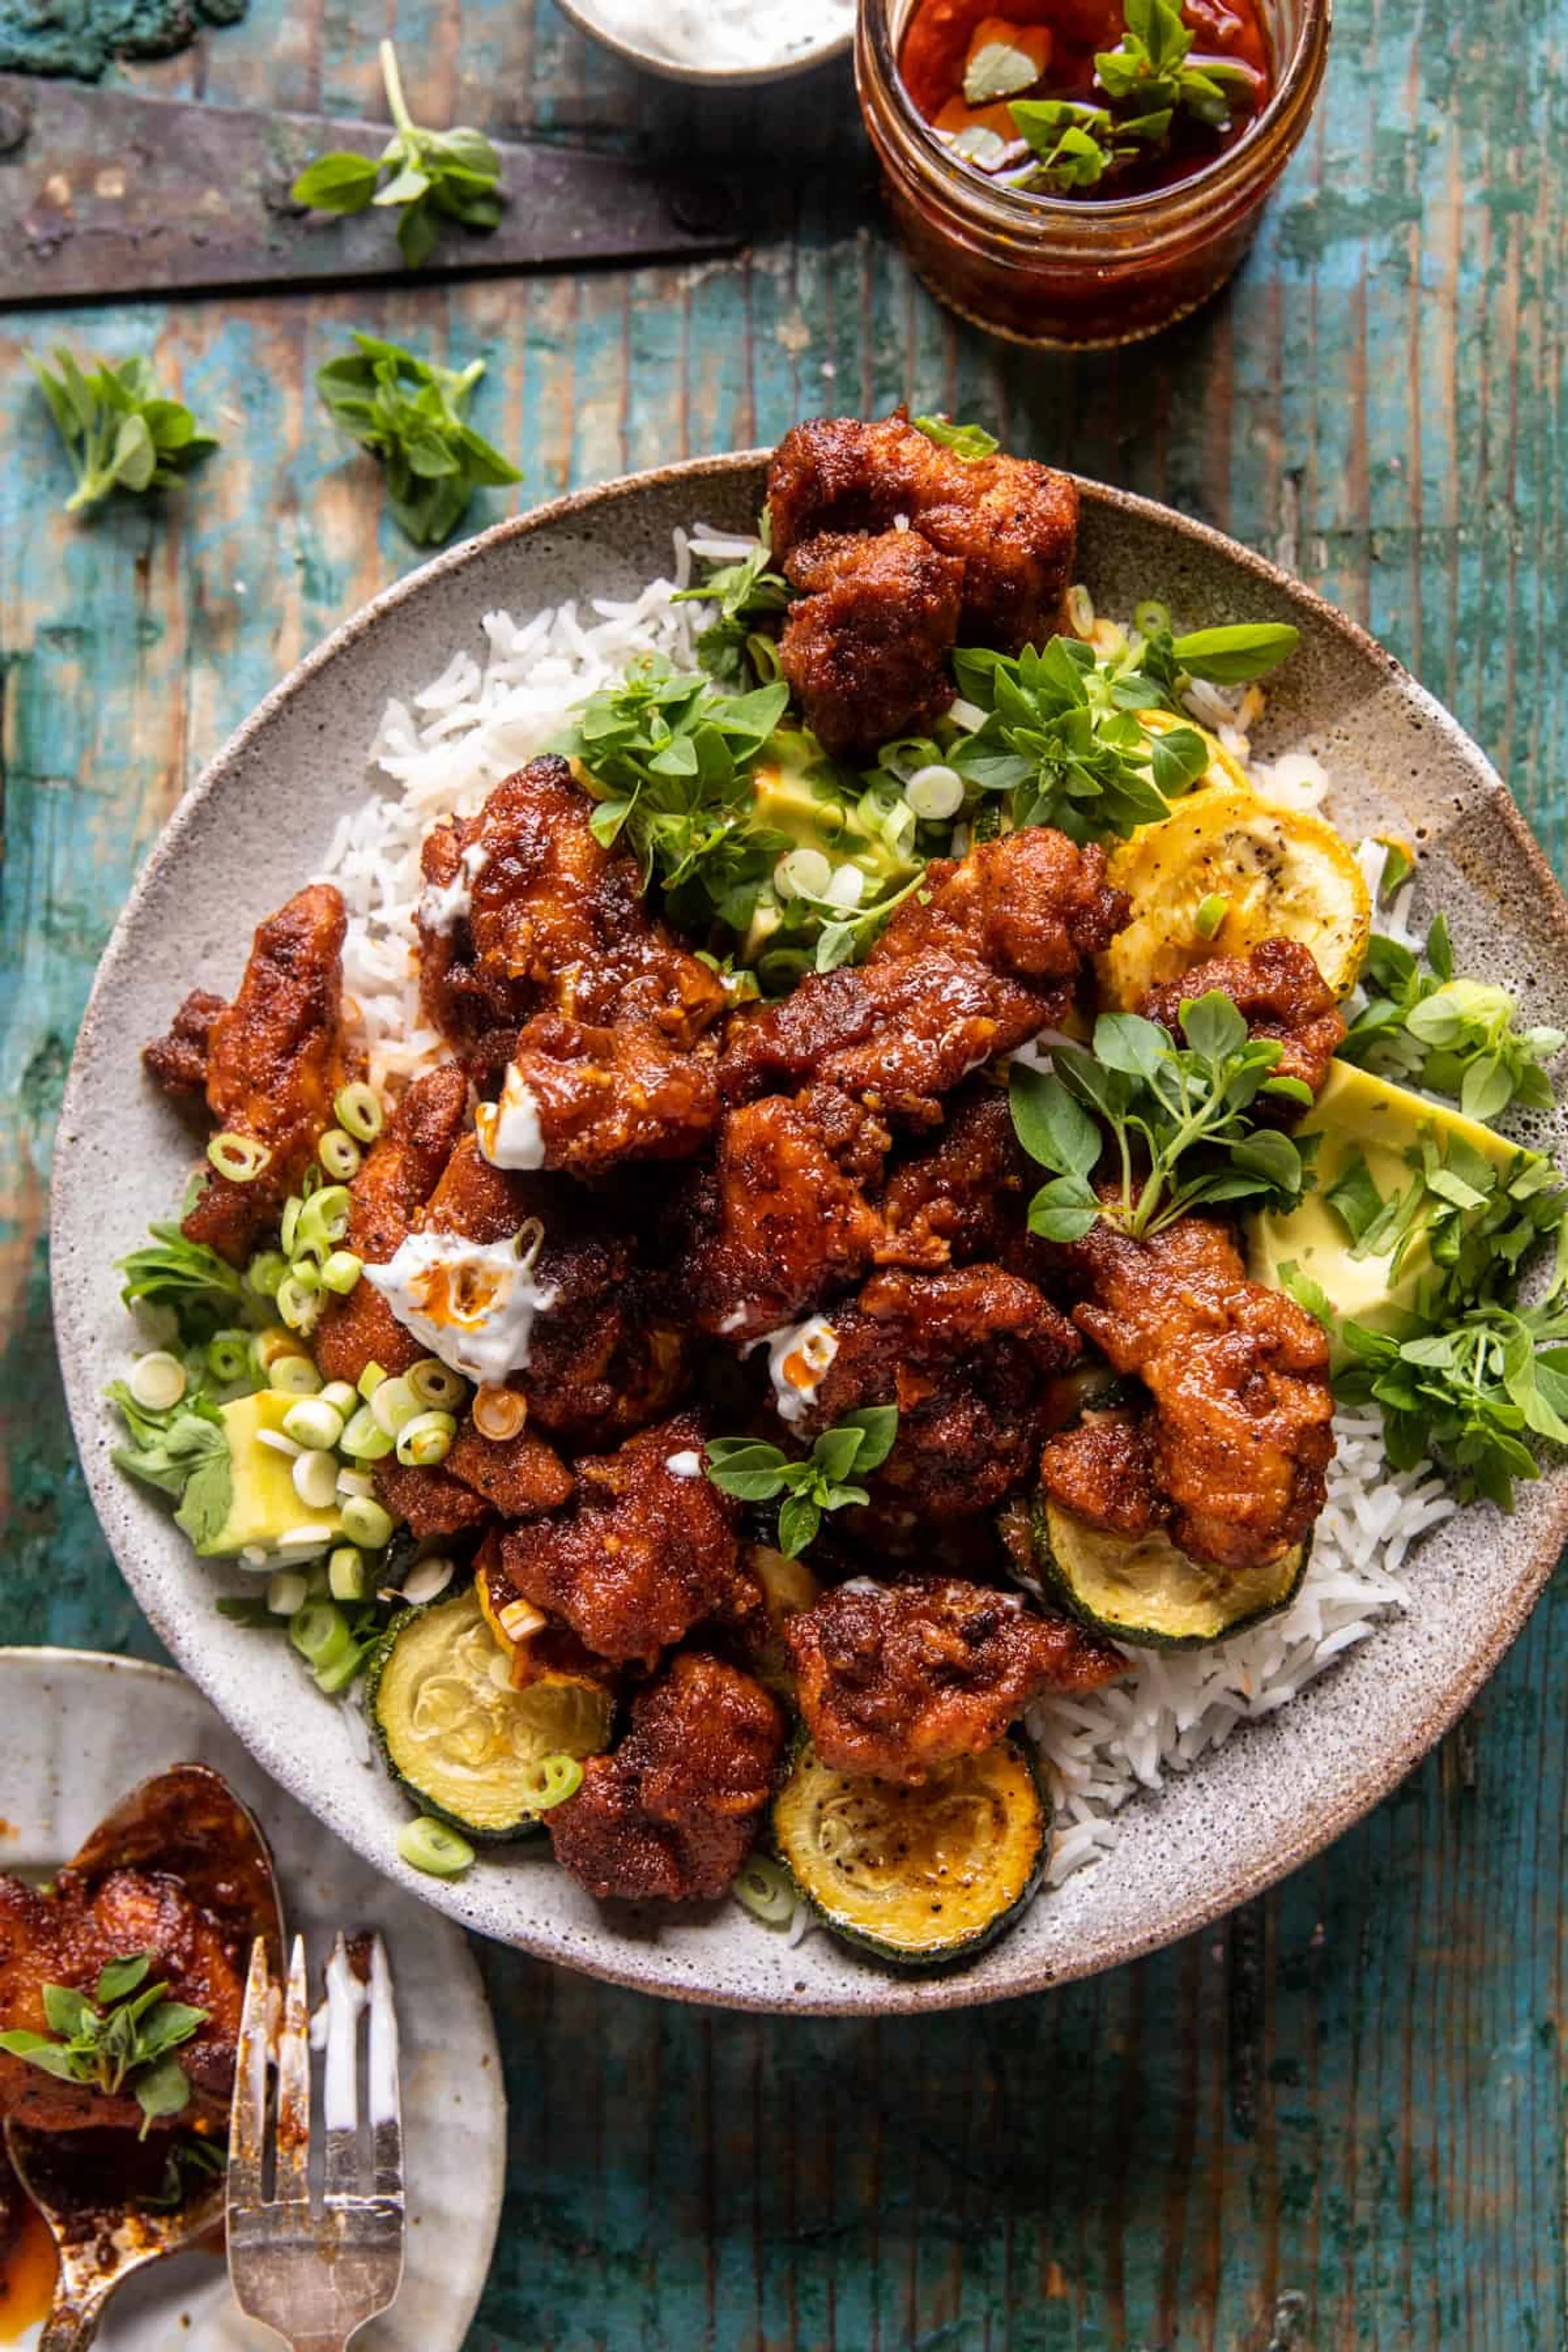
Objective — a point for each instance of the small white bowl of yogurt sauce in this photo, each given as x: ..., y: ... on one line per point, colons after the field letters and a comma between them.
x: 726, y: 43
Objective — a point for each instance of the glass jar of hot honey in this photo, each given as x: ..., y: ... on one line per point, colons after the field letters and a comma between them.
x: 1084, y: 173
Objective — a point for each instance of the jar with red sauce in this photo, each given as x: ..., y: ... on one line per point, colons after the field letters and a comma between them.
x: 1138, y: 212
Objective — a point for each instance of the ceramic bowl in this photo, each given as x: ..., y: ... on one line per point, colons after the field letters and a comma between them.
x: 585, y: 15
x: 245, y: 838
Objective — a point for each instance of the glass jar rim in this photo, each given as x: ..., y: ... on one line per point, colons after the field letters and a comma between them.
x: 1297, y: 83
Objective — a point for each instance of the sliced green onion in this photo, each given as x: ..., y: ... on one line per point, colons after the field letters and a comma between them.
x: 362, y: 1441
x: 345, y: 1573
x: 393, y: 1404
x: 265, y: 1271
x: 340, y: 1672
x: 802, y: 874
x: 293, y: 1209
x: 1211, y: 914
x: 299, y: 1307
x: 321, y: 1633
x: 365, y: 1523
x: 276, y: 1443
x: 286, y: 1592
x: 228, y: 1357
x: 339, y: 1154
x: 766, y: 1893
x: 935, y: 793
x: 239, y: 1157
x: 358, y: 1110
x: 1079, y: 609
x: 268, y: 1345
x: 255, y: 1556
x: 297, y: 1545
x: 371, y: 1379
x: 293, y: 1376
x: 341, y: 1271
x: 425, y: 1440
x: 429, y: 1580
x: 315, y: 1477
x: 1150, y: 617
x: 314, y: 1424
x: 432, y: 1847
x: 342, y: 1398
x: 558, y: 1778
x: 157, y: 1381
x: 436, y: 1383
x: 356, y: 1482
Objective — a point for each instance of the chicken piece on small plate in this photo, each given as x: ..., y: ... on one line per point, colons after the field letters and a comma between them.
x: 672, y: 1812
x: 648, y: 1550
x: 895, y: 1680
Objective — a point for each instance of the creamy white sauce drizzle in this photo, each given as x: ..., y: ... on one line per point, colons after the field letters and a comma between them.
x: 334, y: 2029
x: 472, y: 1304
x: 798, y: 1355
x: 509, y: 1130
x: 685, y: 1464
x: 725, y: 34
x: 442, y: 907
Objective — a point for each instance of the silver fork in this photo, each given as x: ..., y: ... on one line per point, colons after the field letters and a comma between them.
x: 316, y: 2272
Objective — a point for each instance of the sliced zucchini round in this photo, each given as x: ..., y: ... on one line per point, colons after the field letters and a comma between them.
x: 466, y: 1747
x: 921, y: 1877
x: 1280, y: 873
x: 1143, y: 1590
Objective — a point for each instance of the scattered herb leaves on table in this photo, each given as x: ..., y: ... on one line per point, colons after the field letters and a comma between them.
x: 409, y: 414
x: 424, y: 175
x: 120, y: 432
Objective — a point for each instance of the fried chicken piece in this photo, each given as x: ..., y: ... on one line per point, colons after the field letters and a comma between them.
x: 670, y: 1815
x: 1242, y: 1433
x: 179, y: 1061
x: 519, y: 1477
x: 965, y: 1195
x: 967, y: 1356
x: 893, y: 1681
x: 644, y: 1554
x: 1013, y: 524
x: 275, y: 1059
x: 604, y: 1095
x: 66, y: 1937
x: 554, y: 921
x: 612, y: 1352
x: 1279, y: 993
x: 986, y: 963
x: 866, y: 648
x: 397, y: 1176
x: 1103, y: 1471
x: 778, y: 1220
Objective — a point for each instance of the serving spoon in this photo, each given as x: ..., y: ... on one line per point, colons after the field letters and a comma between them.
x: 186, y: 1823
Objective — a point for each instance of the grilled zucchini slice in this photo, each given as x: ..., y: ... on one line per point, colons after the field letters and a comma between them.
x: 1281, y: 874
x: 466, y: 1746
x: 1141, y: 1590
x: 924, y: 1877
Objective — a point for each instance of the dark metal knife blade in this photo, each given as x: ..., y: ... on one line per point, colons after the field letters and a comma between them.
x: 105, y: 192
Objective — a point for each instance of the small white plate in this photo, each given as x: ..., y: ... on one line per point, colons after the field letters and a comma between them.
x: 78, y: 1731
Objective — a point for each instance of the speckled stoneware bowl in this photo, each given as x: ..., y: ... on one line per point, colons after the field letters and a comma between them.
x: 585, y: 14
x: 247, y: 836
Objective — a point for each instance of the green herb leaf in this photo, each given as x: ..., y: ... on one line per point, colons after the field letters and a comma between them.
x: 1453, y: 1036
x: 879, y: 1427
x: 425, y: 176
x: 1052, y: 1126
x: 118, y: 432
x: 164, y: 2090
x: 1354, y: 1197
x: 746, y: 593
x: 971, y: 441
x: 410, y: 414
x: 121, y: 1977
x: 755, y: 1472
x: 1234, y: 657
x: 799, y: 1519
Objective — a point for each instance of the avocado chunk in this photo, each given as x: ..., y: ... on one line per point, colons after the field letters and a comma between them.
x: 1357, y: 1112
x: 264, y: 1506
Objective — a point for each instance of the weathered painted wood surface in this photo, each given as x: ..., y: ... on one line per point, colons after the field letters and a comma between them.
x: 1337, y: 2120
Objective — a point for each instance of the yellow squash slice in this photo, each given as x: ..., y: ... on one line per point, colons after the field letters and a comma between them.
x: 1280, y: 874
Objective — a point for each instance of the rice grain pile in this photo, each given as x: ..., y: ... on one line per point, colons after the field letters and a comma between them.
x: 440, y: 752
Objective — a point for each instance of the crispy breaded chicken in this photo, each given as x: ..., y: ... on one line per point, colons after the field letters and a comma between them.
x: 1279, y: 993
x: 1242, y: 1434
x: 865, y: 649
x: 965, y: 1195
x: 967, y: 1356
x: 671, y: 1814
x: 179, y: 1061
x: 275, y: 1059
x: 646, y: 1552
x: 604, y: 1095
x: 1011, y: 523
x: 895, y: 1680
x: 1103, y: 1471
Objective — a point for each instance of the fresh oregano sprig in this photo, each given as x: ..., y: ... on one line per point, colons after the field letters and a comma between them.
x: 409, y: 414
x: 1456, y: 1038
x: 424, y: 175
x: 121, y: 433
x: 123, y: 2039
x: 1147, y: 79
x: 1176, y: 1122
x: 754, y: 1472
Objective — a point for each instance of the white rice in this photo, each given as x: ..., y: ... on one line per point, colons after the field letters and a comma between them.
x: 438, y: 755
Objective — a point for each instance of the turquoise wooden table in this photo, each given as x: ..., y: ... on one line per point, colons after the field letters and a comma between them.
x: 1337, y: 2118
